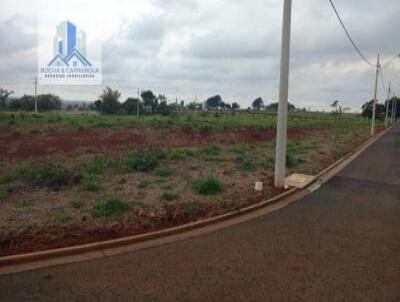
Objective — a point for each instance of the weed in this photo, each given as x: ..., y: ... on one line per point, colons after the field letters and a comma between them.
x: 180, y: 153
x: 170, y: 196
x: 109, y: 208
x: 35, y: 131
x: 163, y: 171
x: 208, y: 186
x: 292, y: 162
x: 62, y: 218
x: 77, y: 204
x: 92, y: 182
x: 22, y: 204
x: 143, y: 183
x: 143, y: 160
x: 97, y: 166
x: 47, y: 174
x: 211, y: 150
x: 247, y: 165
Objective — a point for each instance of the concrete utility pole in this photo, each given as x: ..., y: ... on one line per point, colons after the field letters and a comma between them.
x: 281, y: 131
x: 36, y: 87
x: 375, y: 96
x: 387, y: 108
x: 138, y: 103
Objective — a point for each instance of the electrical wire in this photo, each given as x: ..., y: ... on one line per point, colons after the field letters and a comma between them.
x: 349, y: 36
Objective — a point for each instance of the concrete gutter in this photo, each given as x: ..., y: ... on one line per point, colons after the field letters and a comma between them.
x: 35, y: 260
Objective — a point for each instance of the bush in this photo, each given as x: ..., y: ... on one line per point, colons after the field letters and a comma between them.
x: 143, y: 160
x: 169, y: 196
x: 247, y: 165
x: 97, y: 165
x: 62, y: 218
x: 211, y: 150
x: 163, y: 171
x: 47, y: 174
x: 180, y: 154
x: 292, y: 162
x: 92, y: 182
x: 109, y: 208
x: 208, y: 186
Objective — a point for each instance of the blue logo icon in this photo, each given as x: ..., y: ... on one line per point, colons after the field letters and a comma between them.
x: 69, y: 47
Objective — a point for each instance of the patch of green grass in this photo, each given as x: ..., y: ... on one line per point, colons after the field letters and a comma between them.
x: 92, y: 182
x: 97, y: 165
x: 143, y: 183
x: 239, y: 148
x: 211, y: 150
x: 143, y: 160
x: 208, y: 186
x: 247, y: 165
x: 77, y: 204
x: 110, y: 208
x: 22, y: 204
x: 292, y: 161
x: 180, y: 153
x: 47, y: 174
x: 62, y: 218
x: 163, y: 171
x: 170, y: 196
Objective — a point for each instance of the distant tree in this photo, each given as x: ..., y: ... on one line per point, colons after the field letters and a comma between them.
x: 214, y: 102
x: 130, y: 106
x: 338, y: 109
x: 367, y: 108
x: 274, y: 107
x: 150, y: 101
x: 45, y: 102
x: 394, y: 100
x: 258, y: 103
x: 235, y: 105
x: 163, y: 108
x: 182, y: 104
x: 110, y: 101
x: 4, y: 94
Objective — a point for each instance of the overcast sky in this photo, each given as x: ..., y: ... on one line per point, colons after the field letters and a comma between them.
x: 189, y: 48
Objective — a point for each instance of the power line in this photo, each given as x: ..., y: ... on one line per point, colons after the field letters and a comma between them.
x: 349, y: 36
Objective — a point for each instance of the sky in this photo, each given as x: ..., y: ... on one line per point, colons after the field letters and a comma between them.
x: 191, y: 49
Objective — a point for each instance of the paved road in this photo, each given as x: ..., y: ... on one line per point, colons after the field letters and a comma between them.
x: 341, y: 243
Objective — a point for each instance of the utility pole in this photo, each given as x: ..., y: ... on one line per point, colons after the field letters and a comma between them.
x: 138, y: 103
x: 387, y: 108
x: 281, y: 131
x: 36, y: 86
x: 375, y: 96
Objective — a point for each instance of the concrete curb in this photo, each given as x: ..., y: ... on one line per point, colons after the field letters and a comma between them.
x: 120, y: 242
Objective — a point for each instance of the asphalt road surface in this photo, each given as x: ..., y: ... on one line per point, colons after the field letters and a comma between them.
x: 341, y: 243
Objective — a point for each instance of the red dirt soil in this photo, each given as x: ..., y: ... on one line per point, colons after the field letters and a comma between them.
x: 55, y: 236
x: 28, y: 146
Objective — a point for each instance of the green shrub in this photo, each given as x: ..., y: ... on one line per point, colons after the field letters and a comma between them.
x: 77, y: 204
x: 92, y: 182
x: 163, y: 171
x: 211, y: 150
x: 170, y: 196
x: 180, y: 154
x: 292, y: 161
x: 62, y: 217
x: 47, y: 174
x: 208, y: 186
x: 97, y: 165
x: 143, y: 183
x: 109, y: 208
x: 247, y: 165
x: 143, y: 160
